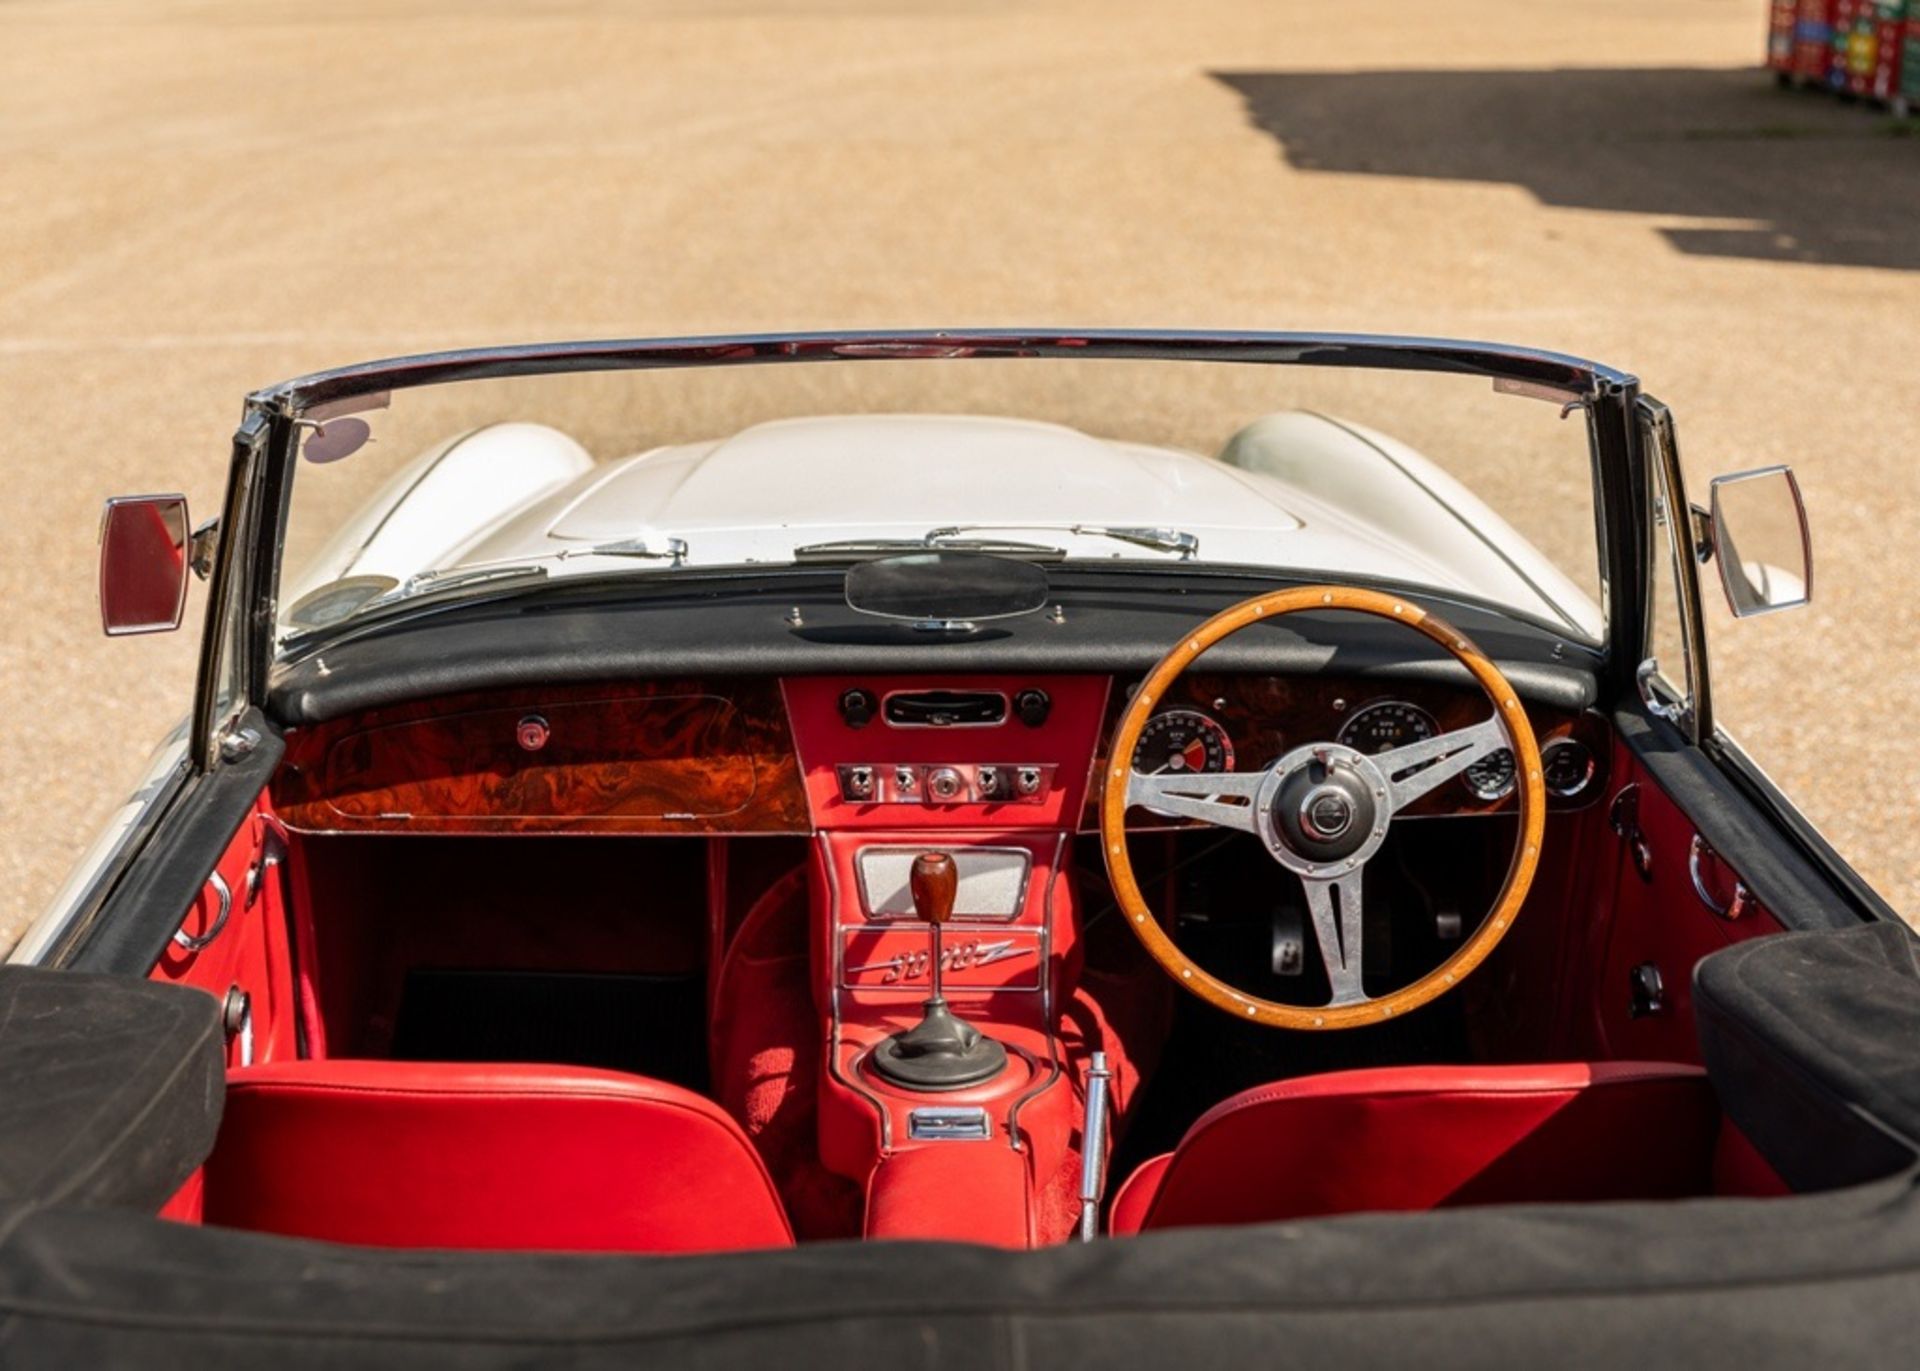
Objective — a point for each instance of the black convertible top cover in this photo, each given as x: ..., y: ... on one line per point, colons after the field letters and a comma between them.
x: 1813, y: 1042
x: 113, y: 1087
x: 1829, y: 1279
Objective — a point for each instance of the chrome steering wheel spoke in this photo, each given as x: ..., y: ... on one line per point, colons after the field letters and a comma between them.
x: 1418, y: 768
x: 1334, y: 903
x: 1221, y: 798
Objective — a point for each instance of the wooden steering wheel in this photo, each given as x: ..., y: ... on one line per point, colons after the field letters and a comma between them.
x: 1322, y: 811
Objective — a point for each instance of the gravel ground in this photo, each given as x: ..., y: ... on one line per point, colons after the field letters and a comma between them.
x: 197, y: 196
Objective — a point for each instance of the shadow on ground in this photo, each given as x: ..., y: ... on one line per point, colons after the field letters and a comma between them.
x: 1804, y: 177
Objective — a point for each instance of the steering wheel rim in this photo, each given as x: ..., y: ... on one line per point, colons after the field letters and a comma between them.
x: 1372, y: 789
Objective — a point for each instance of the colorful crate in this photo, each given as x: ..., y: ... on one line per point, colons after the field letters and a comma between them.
x: 1845, y: 35
x: 1782, y: 20
x: 1869, y: 49
x: 1890, y: 22
x: 1813, y: 41
x: 1910, y: 60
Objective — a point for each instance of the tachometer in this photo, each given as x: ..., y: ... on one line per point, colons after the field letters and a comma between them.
x: 1384, y: 726
x: 1183, y: 740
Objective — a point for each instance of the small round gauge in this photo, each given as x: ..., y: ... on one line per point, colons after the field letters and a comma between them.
x: 1384, y: 726
x: 1566, y: 765
x: 1182, y: 740
x: 1490, y: 778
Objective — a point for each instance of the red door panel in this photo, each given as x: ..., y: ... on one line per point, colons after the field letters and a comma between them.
x: 234, y: 938
x: 1660, y: 925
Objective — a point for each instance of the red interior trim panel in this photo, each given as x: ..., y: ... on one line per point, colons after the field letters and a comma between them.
x: 401, y: 1154
x: 1415, y: 1138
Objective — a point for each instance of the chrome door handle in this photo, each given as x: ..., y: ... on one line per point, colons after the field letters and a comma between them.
x: 1742, y: 897
x: 186, y: 940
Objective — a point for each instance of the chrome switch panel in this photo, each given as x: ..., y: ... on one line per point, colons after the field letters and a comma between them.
x: 945, y: 783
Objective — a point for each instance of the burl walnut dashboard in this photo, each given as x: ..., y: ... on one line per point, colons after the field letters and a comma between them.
x: 756, y: 755
x: 660, y: 757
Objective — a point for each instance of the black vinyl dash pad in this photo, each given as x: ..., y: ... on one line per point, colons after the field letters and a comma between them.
x: 647, y: 1025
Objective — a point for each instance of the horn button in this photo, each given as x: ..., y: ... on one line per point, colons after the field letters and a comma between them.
x: 1328, y: 805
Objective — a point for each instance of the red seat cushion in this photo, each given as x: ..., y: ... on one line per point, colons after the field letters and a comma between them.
x: 1404, y: 1138
x: 413, y: 1154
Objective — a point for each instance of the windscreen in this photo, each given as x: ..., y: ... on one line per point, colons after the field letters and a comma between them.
x: 1437, y: 482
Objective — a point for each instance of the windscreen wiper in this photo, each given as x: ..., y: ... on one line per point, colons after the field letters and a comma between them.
x: 672, y: 550
x: 893, y: 547
x: 1159, y: 539
x: 425, y: 589
x: 454, y: 578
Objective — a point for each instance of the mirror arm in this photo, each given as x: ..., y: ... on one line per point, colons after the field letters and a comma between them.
x: 1701, y: 527
x: 203, y: 546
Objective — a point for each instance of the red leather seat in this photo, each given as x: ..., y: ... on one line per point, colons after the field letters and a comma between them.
x: 1408, y: 1138
x: 413, y: 1154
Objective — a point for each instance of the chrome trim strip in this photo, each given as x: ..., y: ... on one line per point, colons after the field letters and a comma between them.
x: 1046, y: 999
x: 1380, y: 351
x: 1668, y: 484
x: 107, y: 856
x: 833, y: 1000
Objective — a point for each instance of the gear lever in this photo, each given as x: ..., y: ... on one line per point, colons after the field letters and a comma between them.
x: 942, y: 1051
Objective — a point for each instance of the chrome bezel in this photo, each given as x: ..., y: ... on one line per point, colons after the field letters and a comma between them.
x: 1499, y: 792
x: 1006, y: 707
x: 876, y: 914
x: 1586, y: 775
x: 1206, y: 720
x: 1433, y: 724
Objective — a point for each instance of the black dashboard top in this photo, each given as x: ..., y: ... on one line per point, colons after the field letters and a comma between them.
x: 797, y: 623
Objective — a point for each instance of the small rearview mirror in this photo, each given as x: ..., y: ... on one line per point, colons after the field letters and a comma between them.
x: 143, y: 564
x: 1760, y: 541
x: 942, y: 589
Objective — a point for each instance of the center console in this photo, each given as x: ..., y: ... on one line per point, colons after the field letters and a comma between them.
x: 944, y: 814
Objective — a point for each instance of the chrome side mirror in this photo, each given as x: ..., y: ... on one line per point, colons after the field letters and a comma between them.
x: 1756, y: 533
x: 143, y: 564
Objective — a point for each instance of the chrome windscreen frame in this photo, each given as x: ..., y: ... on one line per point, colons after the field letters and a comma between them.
x: 1605, y: 394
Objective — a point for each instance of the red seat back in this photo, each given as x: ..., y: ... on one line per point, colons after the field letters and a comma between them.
x: 1410, y: 1138
x: 410, y: 1154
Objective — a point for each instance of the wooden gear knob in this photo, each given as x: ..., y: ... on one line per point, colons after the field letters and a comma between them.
x: 934, y: 882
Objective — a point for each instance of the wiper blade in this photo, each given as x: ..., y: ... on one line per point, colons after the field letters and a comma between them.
x: 418, y: 593
x: 672, y: 550
x: 1159, y: 539
x: 424, y: 589
x: 454, y: 578
x: 893, y: 547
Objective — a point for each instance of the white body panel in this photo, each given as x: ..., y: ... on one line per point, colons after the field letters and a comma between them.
x: 1294, y: 491
x: 452, y: 493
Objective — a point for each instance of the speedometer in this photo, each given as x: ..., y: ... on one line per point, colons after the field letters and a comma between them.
x: 1384, y: 726
x: 1182, y: 740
